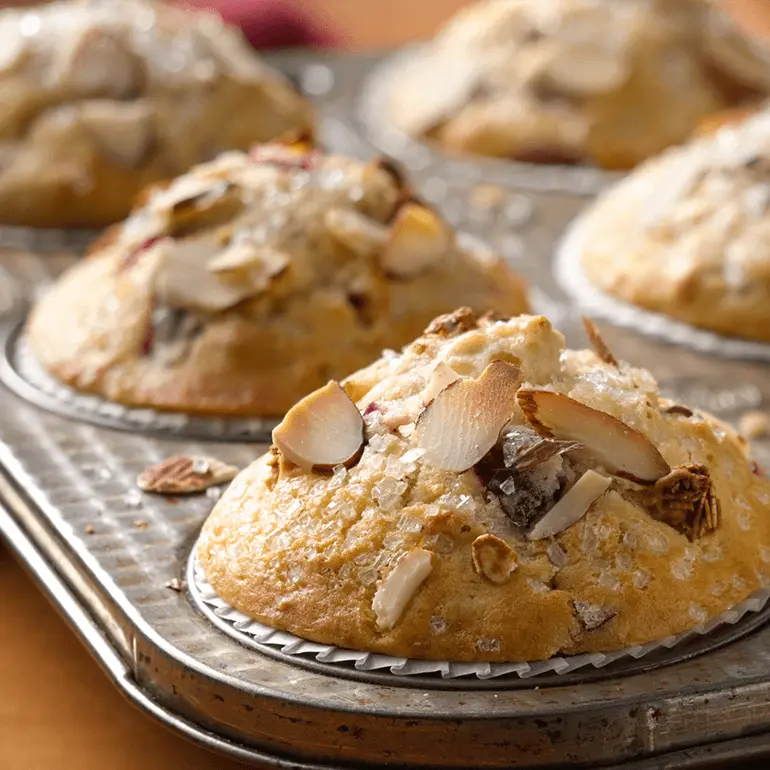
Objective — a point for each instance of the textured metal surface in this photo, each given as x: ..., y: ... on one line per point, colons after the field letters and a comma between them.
x: 46, y: 241
x: 68, y: 489
x: 22, y: 374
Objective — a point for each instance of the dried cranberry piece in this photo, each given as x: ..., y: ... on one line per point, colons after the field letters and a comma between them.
x: 149, y: 338
x: 281, y: 156
x: 132, y: 258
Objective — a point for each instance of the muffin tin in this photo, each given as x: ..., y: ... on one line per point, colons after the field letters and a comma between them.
x: 115, y: 561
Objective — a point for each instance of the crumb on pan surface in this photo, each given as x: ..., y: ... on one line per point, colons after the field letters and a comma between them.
x: 253, y: 279
x: 600, y: 516
x: 101, y: 99
x: 573, y: 81
x: 687, y: 234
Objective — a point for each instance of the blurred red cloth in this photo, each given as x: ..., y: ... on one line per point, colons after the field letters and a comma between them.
x: 272, y: 23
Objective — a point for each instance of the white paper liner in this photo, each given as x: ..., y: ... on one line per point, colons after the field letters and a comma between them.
x: 569, y: 273
x: 390, y: 138
x: 289, y: 644
x: 28, y: 378
x: 46, y: 240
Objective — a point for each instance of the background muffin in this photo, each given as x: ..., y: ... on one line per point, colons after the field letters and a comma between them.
x: 688, y: 234
x: 574, y: 81
x: 252, y: 280
x: 99, y: 99
x: 491, y: 496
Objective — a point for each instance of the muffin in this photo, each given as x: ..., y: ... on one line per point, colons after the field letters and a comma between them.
x: 488, y: 495
x: 605, y: 82
x: 252, y: 280
x: 688, y: 234
x: 100, y: 99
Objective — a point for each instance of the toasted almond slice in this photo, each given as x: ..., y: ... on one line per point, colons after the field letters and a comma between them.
x: 395, y: 591
x: 124, y: 131
x: 623, y: 451
x: 417, y: 240
x: 443, y: 376
x: 13, y: 46
x: 597, y: 343
x: 249, y: 266
x: 96, y: 62
x: 586, y: 69
x: 464, y: 421
x: 183, y: 474
x: 182, y: 278
x: 359, y: 233
x: 537, y: 454
x: 572, y: 507
x: 493, y: 558
x: 324, y: 429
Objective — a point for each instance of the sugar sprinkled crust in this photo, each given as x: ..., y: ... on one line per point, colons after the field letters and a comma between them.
x: 571, y: 81
x: 688, y: 234
x: 309, y: 552
x: 100, y: 99
x: 252, y: 280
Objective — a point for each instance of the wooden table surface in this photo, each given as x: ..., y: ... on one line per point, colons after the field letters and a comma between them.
x: 57, y: 710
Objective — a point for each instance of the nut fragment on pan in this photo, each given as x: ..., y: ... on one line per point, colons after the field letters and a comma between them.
x: 185, y: 474
x: 102, y: 100
x: 515, y: 79
x: 490, y: 541
x: 250, y: 281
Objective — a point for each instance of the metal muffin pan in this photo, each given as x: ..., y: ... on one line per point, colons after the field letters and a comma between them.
x: 113, y: 560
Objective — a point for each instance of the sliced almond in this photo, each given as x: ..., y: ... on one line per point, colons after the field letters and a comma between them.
x: 623, y: 451
x: 216, y: 205
x: 541, y: 452
x: 572, y: 507
x: 464, y: 421
x: 124, y: 131
x: 323, y: 430
x: 493, y: 558
x: 182, y: 278
x: 249, y: 266
x: 395, y: 591
x: 359, y: 233
x: 587, y: 69
x: 97, y: 63
x: 429, y: 100
x: 418, y: 239
x: 185, y: 474
x: 13, y: 46
x: 597, y: 343
x: 442, y: 377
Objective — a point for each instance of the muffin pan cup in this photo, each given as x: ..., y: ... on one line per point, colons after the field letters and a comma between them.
x: 114, y: 562
x: 714, y: 632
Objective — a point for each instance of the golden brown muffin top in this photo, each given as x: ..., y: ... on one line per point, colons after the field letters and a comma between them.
x: 609, y: 81
x: 131, y: 83
x: 488, y: 494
